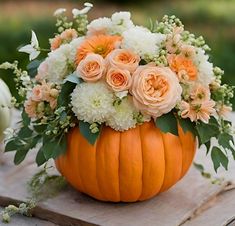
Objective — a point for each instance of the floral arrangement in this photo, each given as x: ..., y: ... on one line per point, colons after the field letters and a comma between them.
x: 111, y: 72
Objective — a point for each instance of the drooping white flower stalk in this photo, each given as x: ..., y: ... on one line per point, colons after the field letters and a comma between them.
x: 78, y: 12
x: 59, y: 12
x: 32, y: 49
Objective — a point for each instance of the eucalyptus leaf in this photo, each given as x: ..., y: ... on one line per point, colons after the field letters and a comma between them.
x: 73, y: 78
x: 84, y: 128
x: 25, y: 132
x: 13, y: 145
x: 219, y: 158
x: 167, y: 123
x: 20, y: 155
x: 32, y: 67
x: 40, y: 158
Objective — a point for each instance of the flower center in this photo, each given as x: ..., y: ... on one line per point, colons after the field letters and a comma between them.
x: 118, y: 79
x: 101, y: 50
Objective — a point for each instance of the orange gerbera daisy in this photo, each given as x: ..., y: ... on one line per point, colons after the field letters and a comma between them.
x: 99, y: 44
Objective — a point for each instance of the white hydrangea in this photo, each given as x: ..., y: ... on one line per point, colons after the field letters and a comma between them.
x: 205, y: 68
x: 121, y: 21
x: 123, y: 118
x: 99, y: 26
x: 142, y: 41
x: 92, y: 102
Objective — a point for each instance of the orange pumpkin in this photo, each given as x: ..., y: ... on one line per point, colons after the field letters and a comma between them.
x: 127, y: 166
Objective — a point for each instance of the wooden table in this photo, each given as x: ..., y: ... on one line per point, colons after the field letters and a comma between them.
x: 194, y: 201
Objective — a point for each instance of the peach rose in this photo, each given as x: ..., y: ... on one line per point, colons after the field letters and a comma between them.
x: 183, y: 66
x: 92, y: 68
x: 155, y: 90
x: 69, y: 34
x: 123, y: 59
x: 56, y: 42
x: 37, y: 93
x: 118, y: 79
x: 30, y: 108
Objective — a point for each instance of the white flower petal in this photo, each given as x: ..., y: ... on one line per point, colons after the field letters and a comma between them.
x: 122, y: 94
x: 33, y: 55
x: 34, y: 40
x: 26, y: 49
x: 88, y: 4
x: 59, y: 11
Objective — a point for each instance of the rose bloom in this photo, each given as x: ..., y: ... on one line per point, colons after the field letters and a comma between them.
x: 197, y: 110
x: 69, y: 34
x: 123, y: 59
x: 30, y: 107
x: 182, y: 66
x: 56, y: 42
x: 98, y: 44
x: 155, y: 90
x: 92, y: 68
x: 37, y: 93
x: 118, y: 79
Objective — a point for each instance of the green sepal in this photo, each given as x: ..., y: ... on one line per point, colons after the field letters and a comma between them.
x: 84, y: 128
x: 167, y: 123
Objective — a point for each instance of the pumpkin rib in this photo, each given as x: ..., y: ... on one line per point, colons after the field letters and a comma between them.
x: 107, y: 164
x: 130, y: 165
x: 153, y: 160
x: 173, y: 161
x: 188, y: 148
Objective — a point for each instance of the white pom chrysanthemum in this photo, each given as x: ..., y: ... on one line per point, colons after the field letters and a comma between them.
x: 142, y: 41
x: 92, y: 102
x: 121, y: 21
x: 99, y: 26
x: 205, y: 68
x: 124, y: 116
x: 74, y: 44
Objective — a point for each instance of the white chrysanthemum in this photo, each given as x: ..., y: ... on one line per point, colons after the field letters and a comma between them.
x: 92, y: 102
x: 121, y: 21
x: 99, y: 26
x: 74, y: 44
x: 205, y: 68
x: 123, y: 118
x: 142, y: 41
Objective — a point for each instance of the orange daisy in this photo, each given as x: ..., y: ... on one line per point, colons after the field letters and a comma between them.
x: 99, y: 44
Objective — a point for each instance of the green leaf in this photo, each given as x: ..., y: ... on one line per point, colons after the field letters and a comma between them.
x: 208, y: 146
x: 167, y: 123
x: 25, y: 118
x: 187, y: 125
x: 199, y: 167
x: 73, y: 78
x: 55, y: 147
x: 207, y: 131
x: 64, y: 96
x: 219, y: 158
x: 25, y: 132
x: 33, y: 67
x: 20, y: 156
x: 13, y: 145
x: 84, y: 128
x: 40, y: 128
x: 40, y: 158
x: 224, y: 139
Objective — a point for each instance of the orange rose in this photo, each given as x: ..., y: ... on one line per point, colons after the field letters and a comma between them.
x: 92, y: 68
x: 155, y: 90
x: 123, y: 59
x: 183, y: 66
x: 118, y: 79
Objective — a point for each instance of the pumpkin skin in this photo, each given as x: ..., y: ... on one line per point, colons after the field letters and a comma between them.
x: 128, y: 166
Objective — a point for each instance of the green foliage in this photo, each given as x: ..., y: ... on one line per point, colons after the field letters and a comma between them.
x: 32, y: 67
x: 85, y: 129
x: 219, y: 158
x: 167, y: 123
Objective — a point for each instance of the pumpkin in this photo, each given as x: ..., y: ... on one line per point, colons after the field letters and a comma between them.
x: 127, y: 166
x: 5, y: 113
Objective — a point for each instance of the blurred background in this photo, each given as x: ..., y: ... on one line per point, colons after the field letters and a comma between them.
x: 215, y: 20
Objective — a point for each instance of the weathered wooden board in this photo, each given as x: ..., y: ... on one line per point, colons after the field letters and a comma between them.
x: 18, y: 220
x: 220, y: 213
x: 72, y: 208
